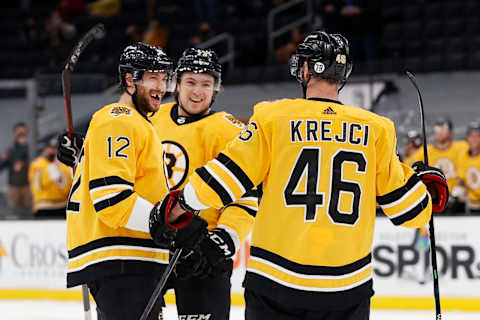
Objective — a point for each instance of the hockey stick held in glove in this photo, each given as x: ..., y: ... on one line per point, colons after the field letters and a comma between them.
x: 436, y: 289
x: 97, y: 30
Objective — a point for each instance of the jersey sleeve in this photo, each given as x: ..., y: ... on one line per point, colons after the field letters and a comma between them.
x: 114, y: 148
x: 242, y: 165
x: 400, y: 193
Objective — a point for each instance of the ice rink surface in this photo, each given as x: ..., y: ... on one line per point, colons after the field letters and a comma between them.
x: 54, y: 310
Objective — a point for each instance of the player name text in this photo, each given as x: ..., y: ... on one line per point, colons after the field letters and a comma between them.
x: 321, y: 131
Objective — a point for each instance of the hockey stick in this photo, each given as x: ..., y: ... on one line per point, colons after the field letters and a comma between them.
x: 67, y: 71
x: 436, y: 290
x: 161, y: 284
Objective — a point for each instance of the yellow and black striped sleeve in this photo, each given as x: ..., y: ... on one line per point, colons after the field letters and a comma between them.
x: 233, y: 172
x: 237, y: 218
x: 114, y: 149
x: 400, y: 193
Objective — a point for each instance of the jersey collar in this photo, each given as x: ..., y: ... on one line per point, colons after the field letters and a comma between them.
x: 181, y: 120
x: 324, y: 100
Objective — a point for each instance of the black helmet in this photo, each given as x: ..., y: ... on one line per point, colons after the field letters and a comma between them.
x: 200, y: 61
x: 140, y: 57
x: 414, y: 137
x: 327, y: 55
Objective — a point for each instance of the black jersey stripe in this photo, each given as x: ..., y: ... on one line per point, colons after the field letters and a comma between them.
x: 250, y: 211
x: 215, y: 185
x: 113, y: 200
x: 398, y: 193
x: 251, y: 193
x: 105, y: 181
x: 73, y: 205
x: 111, y: 241
x: 309, y: 269
x: 236, y: 171
x: 412, y: 213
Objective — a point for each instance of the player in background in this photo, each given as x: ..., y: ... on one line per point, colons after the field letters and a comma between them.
x: 192, y: 134
x: 414, y: 142
x: 323, y: 166
x: 50, y: 182
x: 469, y: 170
x: 118, y: 180
x: 444, y: 154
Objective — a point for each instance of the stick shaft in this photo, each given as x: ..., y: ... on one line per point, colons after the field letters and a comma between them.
x: 433, y: 247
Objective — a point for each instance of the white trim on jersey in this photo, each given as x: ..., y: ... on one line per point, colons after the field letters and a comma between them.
x: 111, y: 186
x: 118, y: 247
x: 105, y: 197
x: 305, y: 288
x: 117, y: 258
x: 140, y: 215
x: 191, y: 198
x: 230, y: 173
x: 220, y: 181
x: 413, y: 205
x: 405, y: 196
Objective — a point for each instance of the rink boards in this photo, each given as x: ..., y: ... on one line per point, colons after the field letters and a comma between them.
x: 33, y: 263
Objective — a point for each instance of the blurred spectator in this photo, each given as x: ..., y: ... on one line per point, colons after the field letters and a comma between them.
x: 32, y: 35
x: 203, y: 33
x: 59, y: 34
x: 204, y: 11
x: 414, y: 142
x: 104, y: 8
x: 15, y: 159
x: 469, y: 170
x: 50, y: 183
x: 155, y: 35
x: 133, y: 34
x: 445, y: 155
x: 360, y: 21
x: 284, y: 53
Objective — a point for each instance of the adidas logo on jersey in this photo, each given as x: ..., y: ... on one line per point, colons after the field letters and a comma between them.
x: 329, y: 110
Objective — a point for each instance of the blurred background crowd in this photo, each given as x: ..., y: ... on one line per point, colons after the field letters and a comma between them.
x: 255, y: 40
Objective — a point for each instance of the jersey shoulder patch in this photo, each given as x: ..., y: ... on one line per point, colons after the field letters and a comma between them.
x: 230, y: 118
x: 117, y: 111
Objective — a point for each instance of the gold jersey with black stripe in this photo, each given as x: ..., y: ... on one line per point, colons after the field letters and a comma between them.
x: 324, y: 166
x: 444, y: 159
x: 118, y: 180
x: 189, y: 142
x: 50, y: 183
x: 469, y: 175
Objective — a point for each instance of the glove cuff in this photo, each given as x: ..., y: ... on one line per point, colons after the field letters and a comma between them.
x: 224, y: 242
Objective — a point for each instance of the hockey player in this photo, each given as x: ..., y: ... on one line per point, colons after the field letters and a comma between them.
x: 323, y: 166
x: 118, y: 180
x: 414, y: 142
x: 469, y: 169
x: 192, y: 134
x: 443, y: 154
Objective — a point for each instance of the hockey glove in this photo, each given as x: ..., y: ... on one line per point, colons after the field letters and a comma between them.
x: 185, y: 233
x: 218, y: 247
x: 436, y: 184
x: 69, y: 149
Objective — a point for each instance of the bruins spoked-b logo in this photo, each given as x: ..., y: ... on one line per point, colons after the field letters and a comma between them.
x: 176, y: 163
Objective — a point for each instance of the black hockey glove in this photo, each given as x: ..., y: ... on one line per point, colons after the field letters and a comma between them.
x: 69, y: 149
x: 218, y: 248
x: 436, y: 184
x: 185, y: 233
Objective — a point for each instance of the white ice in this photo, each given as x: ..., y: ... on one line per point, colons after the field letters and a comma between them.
x: 55, y: 310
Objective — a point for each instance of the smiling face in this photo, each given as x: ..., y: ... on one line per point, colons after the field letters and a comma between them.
x: 149, y: 90
x: 195, y: 93
x: 473, y: 139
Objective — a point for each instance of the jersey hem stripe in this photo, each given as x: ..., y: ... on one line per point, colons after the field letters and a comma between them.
x: 310, y: 269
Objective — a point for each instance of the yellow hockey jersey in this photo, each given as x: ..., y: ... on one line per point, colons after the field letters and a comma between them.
x: 50, y: 183
x: 118, y: 180
x: 189, y: 143
x: 444, y: 159
x: 469, y: 174
x: 323, y: 166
